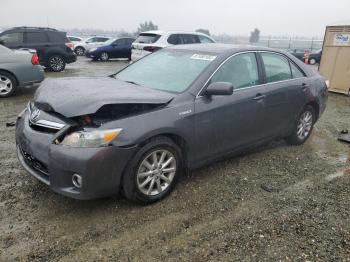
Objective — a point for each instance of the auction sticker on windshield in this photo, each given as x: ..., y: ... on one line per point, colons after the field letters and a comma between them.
x: 203, y: 57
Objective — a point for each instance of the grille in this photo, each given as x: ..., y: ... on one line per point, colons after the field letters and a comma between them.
x: 35, y: 164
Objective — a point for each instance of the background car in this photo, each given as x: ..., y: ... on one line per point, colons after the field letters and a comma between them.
x: 18, y: 69
x: 89, y: 43
x: 148, y: 42
x: 113, y: 48
x: 298, y: 53
x: 315, y: 58
x: 52, y: 46
x: 77, y: 41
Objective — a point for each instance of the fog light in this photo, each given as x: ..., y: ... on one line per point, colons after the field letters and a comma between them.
x: 77, y: 180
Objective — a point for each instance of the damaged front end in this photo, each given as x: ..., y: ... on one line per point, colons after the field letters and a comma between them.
x: 83, y: 131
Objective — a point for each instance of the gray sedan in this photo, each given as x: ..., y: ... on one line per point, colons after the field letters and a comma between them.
x: 18, y: 69
x: 175, y: 110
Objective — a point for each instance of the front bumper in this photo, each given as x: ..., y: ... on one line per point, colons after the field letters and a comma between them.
x: 92, y: 55
x: 54, y: 165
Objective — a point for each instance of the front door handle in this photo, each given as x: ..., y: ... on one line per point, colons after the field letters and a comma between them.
x: 304, y: 86
x: 259, y: 97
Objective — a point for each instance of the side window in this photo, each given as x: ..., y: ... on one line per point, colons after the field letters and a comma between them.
x: 175, y: 39
x: 12, y: 38
x: 203, y: 39
x: 296, y: 72
x: 190, y: 39
x: 276, y: 67
x: 36, y: 37
x: 102, y: 39
x: 130, y: 41
x: 240, y: 70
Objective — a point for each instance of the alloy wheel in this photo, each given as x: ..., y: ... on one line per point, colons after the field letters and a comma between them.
x: 6, y: 85
x: 104, y: 56
x: 304, y: 125
x: 56, y: 63
x: 156, y: 172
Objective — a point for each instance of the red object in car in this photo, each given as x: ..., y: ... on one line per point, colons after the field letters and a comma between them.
x: 35, y: 59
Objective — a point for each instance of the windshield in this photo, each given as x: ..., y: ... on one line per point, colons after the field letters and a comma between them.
x: 110, y: 41
x: 167, y: 70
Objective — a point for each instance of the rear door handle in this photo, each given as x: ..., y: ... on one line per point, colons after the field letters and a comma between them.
x: 259, y: 97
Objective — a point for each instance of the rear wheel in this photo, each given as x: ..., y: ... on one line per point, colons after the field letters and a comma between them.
x: 56, y: 63
x: 303, y: 126
x: 79, y: 50
x: 104, y: 56
x: 8, y: 84
x: 153, y: 172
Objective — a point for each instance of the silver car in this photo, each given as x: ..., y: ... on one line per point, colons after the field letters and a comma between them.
x: 18, y: 68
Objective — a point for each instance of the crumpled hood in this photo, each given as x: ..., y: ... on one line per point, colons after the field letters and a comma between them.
x: 85, y: 95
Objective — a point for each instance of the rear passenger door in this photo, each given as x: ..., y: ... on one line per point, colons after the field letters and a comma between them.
x: 283, y: 93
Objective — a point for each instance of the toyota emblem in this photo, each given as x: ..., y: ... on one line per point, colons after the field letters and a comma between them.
x: 35, y: 114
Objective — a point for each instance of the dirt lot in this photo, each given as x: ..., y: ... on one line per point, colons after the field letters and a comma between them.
x: 275, y: 203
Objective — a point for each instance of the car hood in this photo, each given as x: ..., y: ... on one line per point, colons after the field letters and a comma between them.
x: 80, y: 96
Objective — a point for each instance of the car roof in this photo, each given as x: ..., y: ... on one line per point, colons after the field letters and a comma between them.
x: 221, y: 48
x: 160, y: 32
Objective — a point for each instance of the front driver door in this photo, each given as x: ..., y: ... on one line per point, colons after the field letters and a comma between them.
x: 226, y: 123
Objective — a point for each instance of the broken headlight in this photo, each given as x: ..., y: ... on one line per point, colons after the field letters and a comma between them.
x: 91, y: 138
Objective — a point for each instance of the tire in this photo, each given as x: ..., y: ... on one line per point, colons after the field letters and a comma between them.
x: 303, y: 126
x: 104, y: 56
x: 8, y: 84
x: 142, y: 185
x: 312, y: 61
x: 56, y: 63
x: 80, y: 51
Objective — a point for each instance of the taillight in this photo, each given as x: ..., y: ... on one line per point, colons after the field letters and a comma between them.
x: 70, y: 45
x: 151, y: 48
x: 35, y: 59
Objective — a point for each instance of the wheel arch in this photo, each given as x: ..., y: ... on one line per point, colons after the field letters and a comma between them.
x: 12, y: 74
x: 177, y: 139
x: 316, y: 108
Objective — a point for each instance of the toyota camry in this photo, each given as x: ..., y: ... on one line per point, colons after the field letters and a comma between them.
x: 174, y: 110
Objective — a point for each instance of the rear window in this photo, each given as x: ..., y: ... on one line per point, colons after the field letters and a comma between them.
x: 74, y: 39
x: 146, y: 38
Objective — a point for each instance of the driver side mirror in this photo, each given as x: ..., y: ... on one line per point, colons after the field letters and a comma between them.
x: 219, y: 89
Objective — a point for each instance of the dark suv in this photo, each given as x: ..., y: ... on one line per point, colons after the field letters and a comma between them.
x: 52, y: 46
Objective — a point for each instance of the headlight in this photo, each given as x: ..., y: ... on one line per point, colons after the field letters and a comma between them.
x: 92, y: 138
x: 92, y: 49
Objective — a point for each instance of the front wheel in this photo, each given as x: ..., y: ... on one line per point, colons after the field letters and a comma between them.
x: 104, y: 56
x: 56, y: 63
x: 153, y: 172
x: 303, y: 126
x: 8, y: 84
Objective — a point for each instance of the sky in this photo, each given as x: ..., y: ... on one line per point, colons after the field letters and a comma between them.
x: 236, y: 17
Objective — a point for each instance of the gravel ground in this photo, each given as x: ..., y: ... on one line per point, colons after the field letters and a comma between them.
x: 274, y: 203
